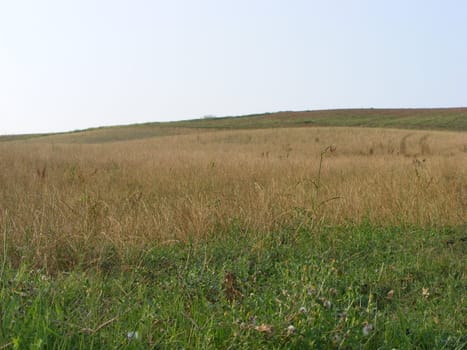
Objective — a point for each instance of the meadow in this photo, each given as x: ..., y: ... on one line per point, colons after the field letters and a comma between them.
x: 194, y: 237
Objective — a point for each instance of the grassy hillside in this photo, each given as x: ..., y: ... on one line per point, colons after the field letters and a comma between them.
x: 244, y: 237
x: 442, y: 119
x: 454, y: 119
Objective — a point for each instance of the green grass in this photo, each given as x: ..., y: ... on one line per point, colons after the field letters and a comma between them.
x: 104, y: 134
x: 431, y: 119
x: 326, y: 282
x: 438, y: 119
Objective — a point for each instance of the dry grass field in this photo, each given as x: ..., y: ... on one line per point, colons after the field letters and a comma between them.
x: 214, y: 234
x: 64, y: 204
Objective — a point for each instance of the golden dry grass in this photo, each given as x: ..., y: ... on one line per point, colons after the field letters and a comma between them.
x: 66, y: 204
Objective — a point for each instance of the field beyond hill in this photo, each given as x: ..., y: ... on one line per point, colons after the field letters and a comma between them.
x: 293, y: 230
x: 453, y: 119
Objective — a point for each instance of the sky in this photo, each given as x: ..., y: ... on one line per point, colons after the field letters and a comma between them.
x: 74, y: 64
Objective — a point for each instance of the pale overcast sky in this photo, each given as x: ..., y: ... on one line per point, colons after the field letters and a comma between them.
x: 69, y: 64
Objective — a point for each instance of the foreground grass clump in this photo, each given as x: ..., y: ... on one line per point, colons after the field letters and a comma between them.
x: 357, y: 286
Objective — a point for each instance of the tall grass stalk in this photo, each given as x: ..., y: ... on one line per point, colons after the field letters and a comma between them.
x: 4, y: 246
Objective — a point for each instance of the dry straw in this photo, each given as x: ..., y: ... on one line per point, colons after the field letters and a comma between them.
x: 87, y: 204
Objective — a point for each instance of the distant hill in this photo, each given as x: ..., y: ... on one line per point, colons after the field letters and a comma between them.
x: 441, y: 119
x: 454, y: 119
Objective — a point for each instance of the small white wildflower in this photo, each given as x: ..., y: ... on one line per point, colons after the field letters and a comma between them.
x: 367, y: 328
x: 133, y: 335
x: 303, y: 310
x: 291, y: 329
x: 327, y: 304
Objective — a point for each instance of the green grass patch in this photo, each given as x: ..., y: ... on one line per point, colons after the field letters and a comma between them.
x: 432, y: 119
x: 334, y: 287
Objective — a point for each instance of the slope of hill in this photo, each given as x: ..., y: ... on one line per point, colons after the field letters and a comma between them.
x: 442, y: 119
x: 237, y: 233
x: 454, y: 119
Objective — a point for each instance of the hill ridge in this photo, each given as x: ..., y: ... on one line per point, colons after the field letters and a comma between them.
x: 454, y: 119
